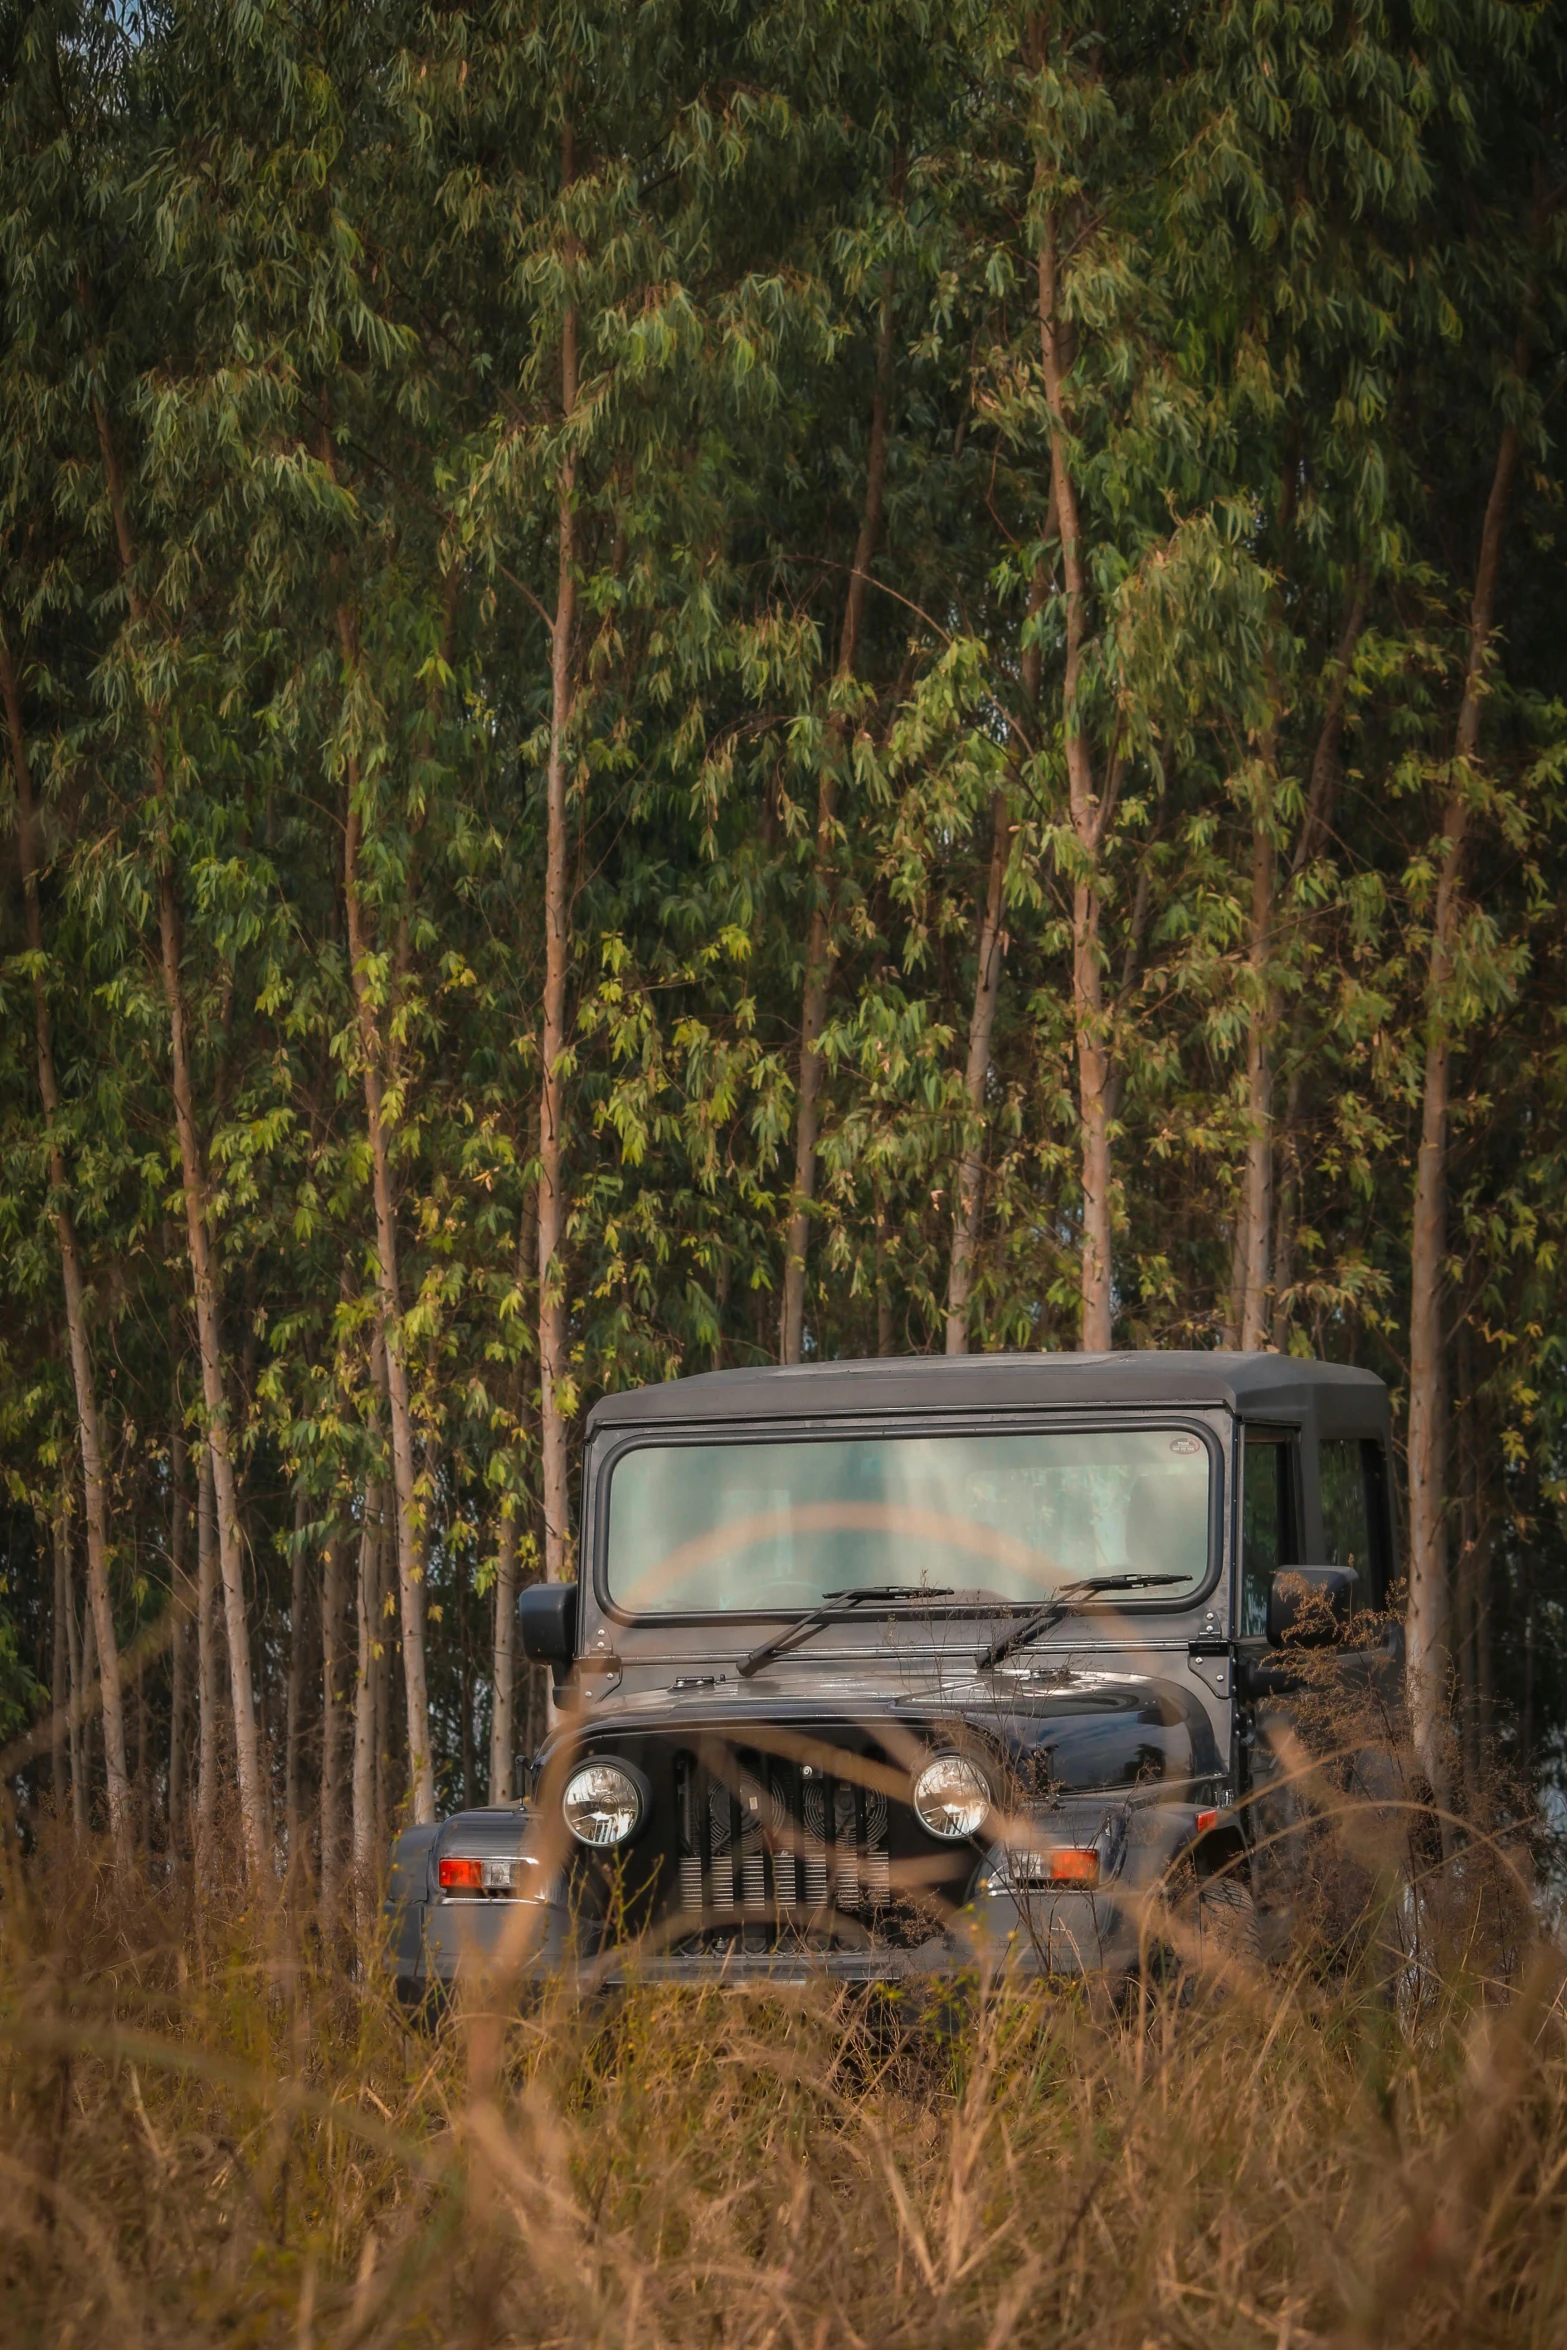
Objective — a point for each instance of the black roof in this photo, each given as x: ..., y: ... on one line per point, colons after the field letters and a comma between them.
x: 1336, y: 1397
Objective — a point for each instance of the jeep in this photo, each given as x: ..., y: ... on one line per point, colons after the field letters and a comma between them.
x: 873, y: 1668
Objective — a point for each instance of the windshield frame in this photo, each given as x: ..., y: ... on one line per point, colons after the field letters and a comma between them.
x: 611, y: 1448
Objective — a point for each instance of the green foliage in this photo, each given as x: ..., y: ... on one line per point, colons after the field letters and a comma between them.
x: 304, y: 272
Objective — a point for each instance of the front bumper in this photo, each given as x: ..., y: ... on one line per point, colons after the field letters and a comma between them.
x: 1033, y: 1930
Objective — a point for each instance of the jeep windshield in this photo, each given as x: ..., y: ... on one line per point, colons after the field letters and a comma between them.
x: 747, y: 1528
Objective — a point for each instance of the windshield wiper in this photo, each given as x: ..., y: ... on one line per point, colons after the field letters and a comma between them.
x: 1066, y: 1602
x: 836, y: 1604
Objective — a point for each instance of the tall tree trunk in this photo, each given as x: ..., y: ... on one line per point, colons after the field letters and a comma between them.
x: 819, y: 944
x: 1091, y: 813
x: 410, y: 1531
x: 503, y: 1693
x: 364, y: 1765
x: 971, y: 1167
x: 987, y: 986
x: 77, y: 1665
x: 182, y: 1600
x: 885, y: 1328
x: 206, y: 1653
x: 1427, y: 1628
x: 298, y: 1666
x: 334, y: 1610
x: 557, y: 943
x: 60, y: 1690
x: 1257, y: 1185
x: 89, y: 1676
x: 503, y: 1683
x: 89, y: 1436
x: 252, y: 1791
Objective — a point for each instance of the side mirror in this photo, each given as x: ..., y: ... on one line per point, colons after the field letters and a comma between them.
x: 1309, y: 1607
x: 547, y: 1622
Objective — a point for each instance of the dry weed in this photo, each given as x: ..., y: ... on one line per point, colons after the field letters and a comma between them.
x: 221, y: 2129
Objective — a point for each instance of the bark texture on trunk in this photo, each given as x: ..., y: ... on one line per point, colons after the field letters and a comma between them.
x: 982, y: 1019
x: 364, y: 1763
x: 182, y: 1599
x: 1427, y: 1629
x: 410, y: 1528
x: 503, y: 1696
x: 60, y: 1677
x: 334, y: 1713
x: 207, y: 1700
x: 1257, y: 1183
x: 504, y: 1725
x: 1091, y: 812
x: 298, y: 1664
x: 74, y: 1658
x: 819, y: 946
x: 557, y: 957
x: 89, y: 1437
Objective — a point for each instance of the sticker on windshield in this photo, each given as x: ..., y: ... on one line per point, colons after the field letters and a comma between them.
x: 1184, y: 1444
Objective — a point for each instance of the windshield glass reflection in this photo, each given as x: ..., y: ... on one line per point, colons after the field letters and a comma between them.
x: 724, y: 1528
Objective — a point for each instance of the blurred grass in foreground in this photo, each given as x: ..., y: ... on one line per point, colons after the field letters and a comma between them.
x: 220, y: 2129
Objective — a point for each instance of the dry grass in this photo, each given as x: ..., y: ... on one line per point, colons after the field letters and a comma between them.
x: 218, y: 2132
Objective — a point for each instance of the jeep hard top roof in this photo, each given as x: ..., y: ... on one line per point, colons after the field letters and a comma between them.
x: 1336, y: 1399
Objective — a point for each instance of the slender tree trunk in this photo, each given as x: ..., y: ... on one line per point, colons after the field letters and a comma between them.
x: 87, y: 1423
x: 206, y: 1654
x: 1091, y: 813
x: 60, y: 1690
x: 557, y: 943
x: 369, y: 1632
x: 410, y: 1532
x: 886, y: 1341
x: 819, y: 945
x: 503, y: 1713
x: 1257, y: 1185
x: 334, y: 1609
x: 89, y: 1676
x: 971, y: 1167
x: 987, y: 986
x: 298, y: 1663
x: 183, y: 1602
x: 1287, y: 1191
x: 503, y: 1728
x: 382, y: 1661
x: 77, y: 1666
x: 1427, y: 1628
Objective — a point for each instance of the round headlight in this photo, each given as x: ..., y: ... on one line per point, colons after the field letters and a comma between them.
x: 951, y: 1797
x: 602, y: 1804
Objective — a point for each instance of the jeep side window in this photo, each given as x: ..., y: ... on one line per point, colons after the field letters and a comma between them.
x: 1352, y: 1512
x: 1268, y: 1520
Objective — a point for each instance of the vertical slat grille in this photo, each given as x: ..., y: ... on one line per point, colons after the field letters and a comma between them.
x: 773, y: 1840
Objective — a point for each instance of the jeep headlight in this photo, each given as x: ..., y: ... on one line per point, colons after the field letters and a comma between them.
x: 951, y: 1797
x: 603, y: 1804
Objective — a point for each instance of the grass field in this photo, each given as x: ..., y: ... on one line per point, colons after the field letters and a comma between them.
x: 218, y: 2130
